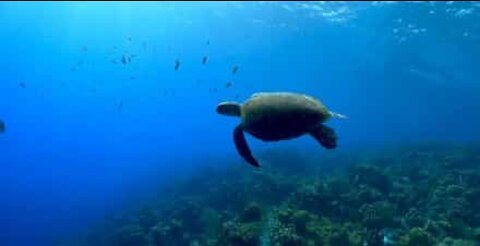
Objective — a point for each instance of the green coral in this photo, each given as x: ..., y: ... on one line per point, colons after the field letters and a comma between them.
x: 416, y: 237
x: 299, y: 227
x: 342, y: 237
x: 322, y: 231
x: 298, y: 219
x: 378, y: 215
x: 251, y: 213
x: 245, y: 229
x: 456, y: 242
x: 240, y: 234
x: 371, y: 176
x: 285, y: 235
x: 476, y: 234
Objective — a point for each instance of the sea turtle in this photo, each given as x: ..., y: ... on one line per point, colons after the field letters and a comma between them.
x: 274, y: 116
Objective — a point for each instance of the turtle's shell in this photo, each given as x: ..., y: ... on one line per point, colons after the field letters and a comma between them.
x: 282, y: 115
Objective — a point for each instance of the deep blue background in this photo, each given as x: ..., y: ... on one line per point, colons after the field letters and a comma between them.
x: 400, y: 71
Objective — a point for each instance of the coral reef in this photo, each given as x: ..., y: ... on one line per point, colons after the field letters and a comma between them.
x: 416, y: 237
x: 424, y: 195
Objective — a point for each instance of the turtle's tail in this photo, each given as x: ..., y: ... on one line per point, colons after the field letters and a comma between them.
x: 338, y: 116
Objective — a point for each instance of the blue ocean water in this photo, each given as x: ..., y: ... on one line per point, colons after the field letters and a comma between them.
x: 97, y: 116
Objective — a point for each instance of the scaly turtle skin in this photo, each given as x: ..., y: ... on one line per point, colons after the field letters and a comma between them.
x: 278, y: 116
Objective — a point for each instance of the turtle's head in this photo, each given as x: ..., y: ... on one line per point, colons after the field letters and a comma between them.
x: 229, y: 108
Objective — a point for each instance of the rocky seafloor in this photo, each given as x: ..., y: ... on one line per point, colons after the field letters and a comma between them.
x: 413, y: 195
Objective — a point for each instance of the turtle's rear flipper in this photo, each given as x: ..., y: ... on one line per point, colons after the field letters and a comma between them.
x: 242, y: 146
x: 326, y: 136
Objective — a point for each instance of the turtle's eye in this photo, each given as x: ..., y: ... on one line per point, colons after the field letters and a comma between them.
x: 221, y: 109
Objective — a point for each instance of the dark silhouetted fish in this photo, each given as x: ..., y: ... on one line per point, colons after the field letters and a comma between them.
x: 125, y: 59
x: 2, y: 126
x: 204, y: 60
x: 228, y: 84
x: 177, y: 65
x: 235, y: 70
x: 120, y: 105
x: 208, y: 42
x: 23, y: 85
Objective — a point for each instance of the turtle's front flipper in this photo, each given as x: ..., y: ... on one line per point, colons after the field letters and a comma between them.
x: 242, y: 146
x: 326, y: 136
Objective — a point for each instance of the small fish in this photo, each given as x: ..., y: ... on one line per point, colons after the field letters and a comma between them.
x: 23, y: 85
x: 120, y: 105
x: 84, y: 48
x: 208, y: 42
x: 133, y: 77
x: 125, y: 59
x: 235, y: 70
x: 2, y: 126
x: 177, y: 64
x: 237, y: 96
x: 204, y: 60
x: 228, y: 84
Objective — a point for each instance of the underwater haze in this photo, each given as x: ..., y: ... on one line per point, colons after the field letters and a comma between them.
x: 105, y: 103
